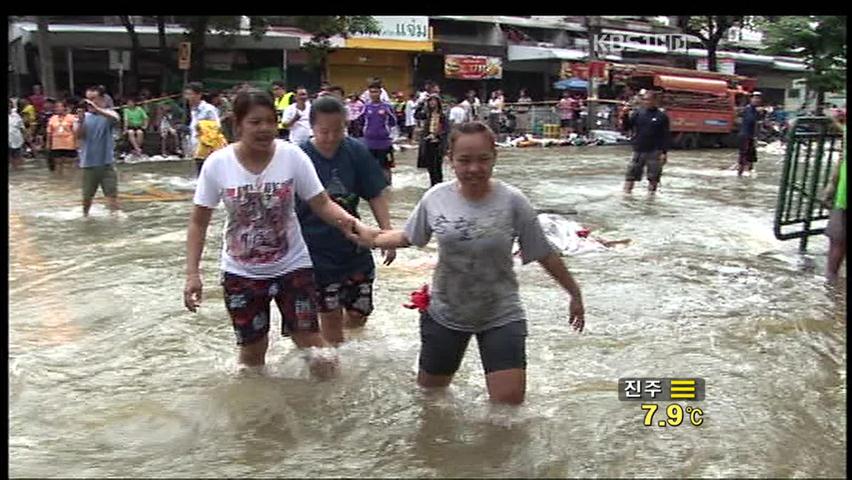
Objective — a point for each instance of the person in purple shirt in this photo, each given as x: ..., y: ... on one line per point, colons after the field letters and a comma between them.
x: 378, y: 119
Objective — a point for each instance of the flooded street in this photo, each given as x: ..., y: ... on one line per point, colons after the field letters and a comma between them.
x: 111, y: 376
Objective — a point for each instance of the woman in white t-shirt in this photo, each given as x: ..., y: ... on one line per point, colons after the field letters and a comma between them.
x: 263, y: 254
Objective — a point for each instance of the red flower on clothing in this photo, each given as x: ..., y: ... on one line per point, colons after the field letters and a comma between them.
x: 419, y: 299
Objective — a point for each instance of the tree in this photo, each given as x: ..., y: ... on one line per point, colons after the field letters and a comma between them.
x: 225, y: 25
x: 820, y: 40
x: 710, y: 30
x: 136, y: 52
x: 197, y: 29
x: 45, y: 57
x: 322, y: 28
x: 163, y: 53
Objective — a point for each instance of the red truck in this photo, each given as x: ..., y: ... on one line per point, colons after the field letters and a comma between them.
x: 702, y: 106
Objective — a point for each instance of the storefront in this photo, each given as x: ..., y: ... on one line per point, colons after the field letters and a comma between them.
x: 389, y: 55
x: 353, y: 69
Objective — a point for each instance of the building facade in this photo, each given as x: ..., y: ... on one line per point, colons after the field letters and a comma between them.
x: 529, y: 52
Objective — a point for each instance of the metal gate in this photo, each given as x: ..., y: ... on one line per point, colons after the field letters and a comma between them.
x: 813, y: 148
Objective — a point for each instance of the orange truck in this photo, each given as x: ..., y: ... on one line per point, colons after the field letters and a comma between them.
x: 702, y: 106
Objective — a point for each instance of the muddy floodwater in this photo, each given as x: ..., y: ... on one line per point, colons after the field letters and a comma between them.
x: 110, y: 376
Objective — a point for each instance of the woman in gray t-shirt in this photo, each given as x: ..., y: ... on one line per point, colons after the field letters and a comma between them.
x: 474, y: 290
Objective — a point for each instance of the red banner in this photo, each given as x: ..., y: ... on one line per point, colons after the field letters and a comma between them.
x: 598, y: 69
x: 473, y: 67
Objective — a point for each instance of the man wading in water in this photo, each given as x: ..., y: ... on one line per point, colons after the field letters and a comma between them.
x: 474, y: 290
x: 650, y: 128
x: 97, y: 150
x: 748, y: 153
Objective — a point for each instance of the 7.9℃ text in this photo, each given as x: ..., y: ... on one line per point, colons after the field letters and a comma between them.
x: 676, y: 415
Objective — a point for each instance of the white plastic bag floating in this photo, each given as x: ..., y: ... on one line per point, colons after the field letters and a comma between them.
x: 565, y: 235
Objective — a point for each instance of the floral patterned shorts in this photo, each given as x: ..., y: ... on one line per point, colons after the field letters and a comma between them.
x: 353, y: 293
x: 247, y: 301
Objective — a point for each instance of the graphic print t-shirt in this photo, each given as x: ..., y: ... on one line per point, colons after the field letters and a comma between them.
x: 474, y: 287
x: 262, y: 237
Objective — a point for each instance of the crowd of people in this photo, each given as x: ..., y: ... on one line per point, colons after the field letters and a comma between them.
x: 144, y: 119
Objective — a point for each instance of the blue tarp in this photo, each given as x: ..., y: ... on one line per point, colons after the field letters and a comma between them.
x: 571, y: 84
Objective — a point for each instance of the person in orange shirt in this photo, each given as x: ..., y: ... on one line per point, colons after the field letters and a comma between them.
x: 62, y: 136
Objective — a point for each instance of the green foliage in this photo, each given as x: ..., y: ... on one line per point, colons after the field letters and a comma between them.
x: 325, y: 27
x: 709, y: 27
x: 227, y: 26
x: 820, y: 40
x: 322, y: 28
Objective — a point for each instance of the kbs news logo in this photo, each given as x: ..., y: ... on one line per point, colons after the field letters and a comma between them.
x: 616, y: 43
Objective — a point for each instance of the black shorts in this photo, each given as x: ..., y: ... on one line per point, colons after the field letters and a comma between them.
x: 566, y: 123
x: 63, y: 154
x: 354, y: 293
x: 640, y: 161
x: 356, y: 129
x: 748, y: 152
x: 385, y: 157
x: 136, y: 129
x: 442, y: 349
x: 14, y: 152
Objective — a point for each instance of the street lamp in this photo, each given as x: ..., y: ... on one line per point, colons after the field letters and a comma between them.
x: 593, y: 23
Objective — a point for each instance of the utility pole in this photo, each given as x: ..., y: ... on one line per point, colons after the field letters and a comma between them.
x: 593, y: 29
x: 45, y: 56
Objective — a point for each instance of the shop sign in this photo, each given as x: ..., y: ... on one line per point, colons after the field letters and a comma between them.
x: 184, y: 55
x: 473, y: 67
x: 413, y: 28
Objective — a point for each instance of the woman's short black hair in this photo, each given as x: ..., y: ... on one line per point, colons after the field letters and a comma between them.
x: 97, y: 88
x: 329, y: 105
x: 248, y: 99
x: 472, y: 128
x: 437, y: 98
x: 195, y: 87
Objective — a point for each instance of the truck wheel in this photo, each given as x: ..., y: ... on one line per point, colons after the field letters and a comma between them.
x: 690, y: 141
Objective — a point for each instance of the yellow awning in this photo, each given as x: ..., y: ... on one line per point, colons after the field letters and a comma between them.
x: 387, y: 44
